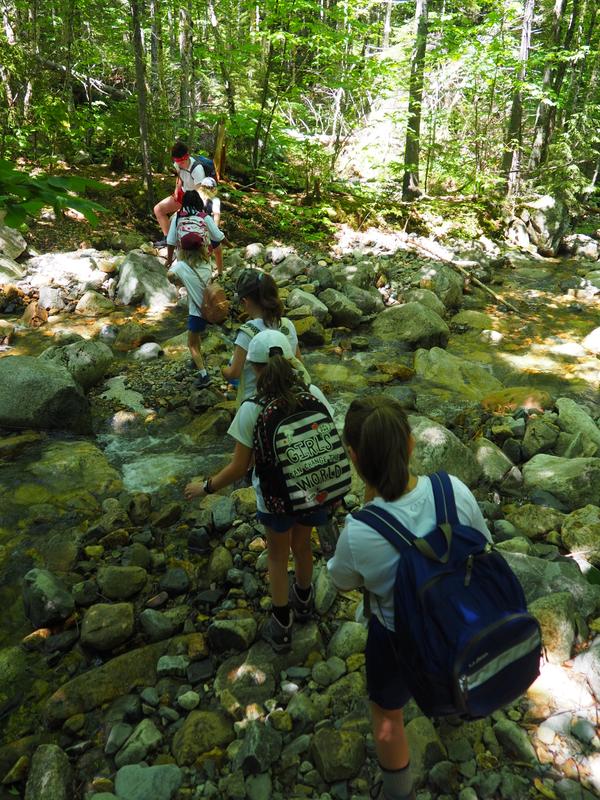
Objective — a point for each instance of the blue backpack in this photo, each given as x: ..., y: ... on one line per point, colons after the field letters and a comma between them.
x: 208, y: 165
x: 464, y: 641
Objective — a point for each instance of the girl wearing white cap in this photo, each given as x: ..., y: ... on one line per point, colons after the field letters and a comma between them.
x: 270, y: 356
x: 212, y: 206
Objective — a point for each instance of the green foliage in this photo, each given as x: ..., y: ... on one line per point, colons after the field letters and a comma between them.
x: 23, y: 196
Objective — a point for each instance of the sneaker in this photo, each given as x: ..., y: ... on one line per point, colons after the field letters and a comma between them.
x: 202, y: 382
x: 277, y: 635
x: 161, y: 242
x: 377, y: 793
x: 302, y: 609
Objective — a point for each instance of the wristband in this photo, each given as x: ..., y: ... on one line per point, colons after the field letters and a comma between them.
x: 208, y: 486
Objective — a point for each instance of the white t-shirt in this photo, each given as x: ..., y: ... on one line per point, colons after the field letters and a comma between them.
x: 191, y: 180
x: 215, y: 234
x: 248, y: 376
x: 364, y: 558
x: 194, y: 279
x: 215, y: 208
x: 242, y: 430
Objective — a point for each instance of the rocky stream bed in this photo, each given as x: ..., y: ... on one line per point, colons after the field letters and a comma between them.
x: 131, y: 664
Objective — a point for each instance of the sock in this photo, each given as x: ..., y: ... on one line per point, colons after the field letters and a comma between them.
x: 303, y: 594
x: 203, y: 373
x: 397, y: 783
x: 282, y: 614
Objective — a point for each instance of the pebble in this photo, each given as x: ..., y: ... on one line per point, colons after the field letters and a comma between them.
x: 188, y: 700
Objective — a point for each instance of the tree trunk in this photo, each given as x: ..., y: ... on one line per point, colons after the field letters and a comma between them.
x: 221, y: 60
x: 140, y: 84
x: 387, y: 24
x: 511, y: 164
x: 155, y: 50
x: 410, y: 182
x: 581, y: 72
x: 219, y: 154
x: 185, y: 60
x: 540, y: 144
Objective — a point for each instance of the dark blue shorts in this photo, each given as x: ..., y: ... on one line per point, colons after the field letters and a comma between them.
x: 384, y: 684
x: 280, y: 523
x: 196, y: 324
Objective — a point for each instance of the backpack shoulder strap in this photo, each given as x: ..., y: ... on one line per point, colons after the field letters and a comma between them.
x: 195, y: 163
x: 443, y: 494
x: 386, y: 525
x: 250, y: 329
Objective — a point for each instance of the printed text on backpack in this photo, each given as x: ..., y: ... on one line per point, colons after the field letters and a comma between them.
x: 464, y: 641
x: 300, y: 459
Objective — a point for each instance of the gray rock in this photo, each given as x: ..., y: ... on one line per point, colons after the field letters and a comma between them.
x: 338, y: 754
x: 322, y: 276
x: 540, y: 436
x: 572, y: 790
x: 12, y: 244
x: 40, y: 395
x: 86, y: 361
x: 45, y: 599
x: 578, y: 244
x: 117, y: 737
x: 145, y: 739
x: 232, y: 634
x: 318, y: 309
x: 149, y: 351
x: 156, y: 626
x: 188, y: 700
x: 444, y: 776
x: 413, y: 325
x: 121, y: 583
x: 592, y: 341
x: 50, y: 776
x: 175, y: 581
x: 469, y: 379
x: 588, y: 664
x: 254, y: 252
x: 219, y: 564
x: 583, y: 730
x: 343, y: 311
x: 546, y: 220
x: 107, y: 626
x: 94, y: 304
x: 581, y: 533
x: 52, y: 298
x: 172, y: 666
x: 350, y: 637
x: 437, y: 448
x: 574, y: 419
x: 135, y: 782
x: 514, y: 741
x: 259, y: 787
x: 291, y: 266
x: 574, y: 481
x: 494, y: 464
x: 143, y: 281
x: 150, y: 696
x: 514, y: 787
x: 426, y: 298
x: 557, y: 616
x: 367, y: 301
x: 223, y: 514
x: 534, y: 521
x: 201, y: 731
x: 426, y: 748
x: 327, y: 672
x: 260, y: 748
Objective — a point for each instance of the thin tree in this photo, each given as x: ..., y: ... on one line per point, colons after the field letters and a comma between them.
x: 142, y: 95
x: 410, y: 181
x: 511, y: 163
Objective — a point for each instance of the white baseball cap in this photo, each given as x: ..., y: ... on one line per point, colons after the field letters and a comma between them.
x: 261, y: 347
x: 209, y: 182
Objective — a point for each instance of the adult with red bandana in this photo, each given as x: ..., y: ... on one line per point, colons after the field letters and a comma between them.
x: 190, y: 174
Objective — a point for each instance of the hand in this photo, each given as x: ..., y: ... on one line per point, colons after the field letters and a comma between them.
x: 194, y: 489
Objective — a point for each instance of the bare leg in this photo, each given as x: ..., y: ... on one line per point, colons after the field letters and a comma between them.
x: 163, y: 211
x: 303, y: 558
x: 195, y: 349
x: 278, y: 545
x: 391, y: 744
x: 219, y: 260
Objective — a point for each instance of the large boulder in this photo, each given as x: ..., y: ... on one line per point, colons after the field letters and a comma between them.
x: 465, y: 377
x: 107, y: 626
x: 298, y: 298
x: 12, y: 244
x: 573, y: 481
x: 557, y: 616
x: 413, y: 325
x: 492, y: 460
x: 368, y: 301
x: 581, y: 533
x: 143, y: 282
x: 201, y: 731
x: 50, y: 776
x: 291, y: 266
x: 10, y: 271
x: 438, y: 448
x: 94, y: 304
x: 578, y: 244
x: 427, y: 298
x: 592, y: 342
x: 343, y: 311
x: 86, y: 361
x: 45, y: 599
x: 39, y: 395
x: 444, y: 282
x: 546, y: 220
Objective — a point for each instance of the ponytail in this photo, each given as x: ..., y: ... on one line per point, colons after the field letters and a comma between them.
x: 278, y: 379
x: 377, y: 429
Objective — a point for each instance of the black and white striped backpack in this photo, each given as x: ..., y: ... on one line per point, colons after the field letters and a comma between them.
x: 300, y: 459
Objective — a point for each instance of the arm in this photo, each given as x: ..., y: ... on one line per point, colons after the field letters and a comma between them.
x: 170, y: 254
x: 234, y: 370
x: 236, y: 469
x: 174, y: 279
x: 298, y: 353
x: 341, y: 566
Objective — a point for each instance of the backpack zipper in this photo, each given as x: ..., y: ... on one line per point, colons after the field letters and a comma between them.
x: 469, y: 569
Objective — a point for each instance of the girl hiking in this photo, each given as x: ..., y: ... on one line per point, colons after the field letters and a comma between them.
x: 379, y: 442
x: 313, y: 449
x: 258, y: 297
x: 193, y: 237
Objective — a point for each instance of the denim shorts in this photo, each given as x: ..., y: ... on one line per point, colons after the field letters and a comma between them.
x: 384, y: 684
x: 196, y: 324
x: 280, y: 523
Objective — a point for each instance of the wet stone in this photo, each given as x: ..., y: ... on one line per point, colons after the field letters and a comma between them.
x: 175, y: 581
x: 172, y: 666
x: 156, y: 626
x: 117, y: 737
x: 201, y: 671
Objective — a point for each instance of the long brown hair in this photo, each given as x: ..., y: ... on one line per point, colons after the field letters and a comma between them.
x: 265, y: 295
x: 377, y: 429
x: 278, y: 379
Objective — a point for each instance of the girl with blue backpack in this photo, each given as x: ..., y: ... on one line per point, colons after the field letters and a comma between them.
x: 380, y: 443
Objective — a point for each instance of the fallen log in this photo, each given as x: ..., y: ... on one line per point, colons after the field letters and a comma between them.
x: 94, y: 84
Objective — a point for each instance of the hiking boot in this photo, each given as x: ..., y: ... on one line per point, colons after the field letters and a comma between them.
x: 302, y: 609
x: 377, y: 793
x: 202, y: 382
x: 277, y: 635
x: 161, y: 242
